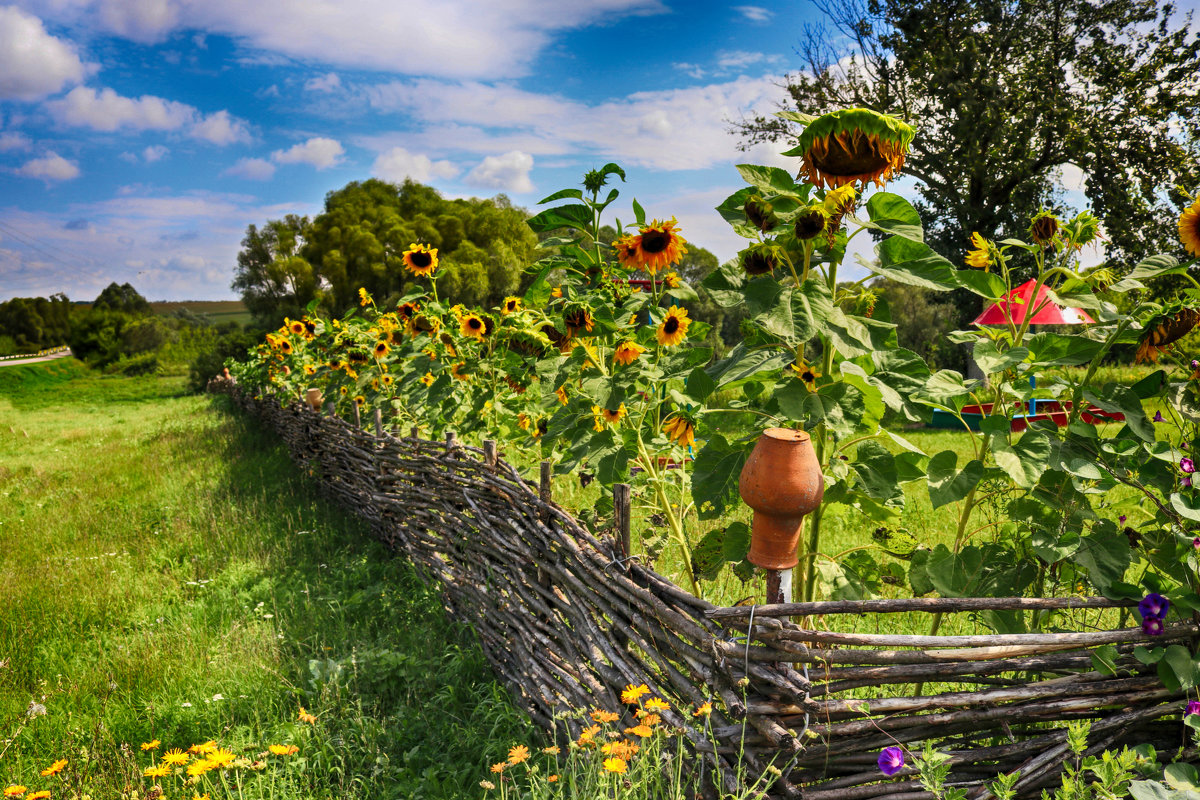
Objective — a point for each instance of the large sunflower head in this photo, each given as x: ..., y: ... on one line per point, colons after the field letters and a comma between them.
x: 1044, y: 227
x: 627, y: 352
x: 578, y: 318
x: 1189, y: 228
x: 660, y: 245
x: 673, y: 329
x: 854, y: 145
x: 811, y: 221
x: 1164, y: 330
x: 627, y: 252
x: 680, y: 429
x: 421, y: 259
x: 407, y: 310
x: 760, y: 213
x: 472, y: 325
x: 761, y: 259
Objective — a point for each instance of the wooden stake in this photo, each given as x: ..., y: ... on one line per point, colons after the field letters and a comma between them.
x: 379, y: 422
x: 622, y: 495
x: 330, y: 408
x: 413, y: 433
x: 489, y: 453
x: 451, y: 440
x: 357, y: 416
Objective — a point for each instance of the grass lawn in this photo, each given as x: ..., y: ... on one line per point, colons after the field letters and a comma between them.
x: 167, y: 575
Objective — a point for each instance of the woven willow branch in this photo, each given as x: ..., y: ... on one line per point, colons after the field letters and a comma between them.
x: 567, y: 623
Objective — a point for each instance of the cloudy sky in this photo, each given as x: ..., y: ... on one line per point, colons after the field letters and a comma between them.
x: 139, y: 138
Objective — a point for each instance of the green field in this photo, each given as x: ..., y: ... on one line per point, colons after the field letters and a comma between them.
x: 217, y: 310
x: 169, y: 575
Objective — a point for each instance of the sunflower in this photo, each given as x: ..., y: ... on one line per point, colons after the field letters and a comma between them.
x: 627, y: 252
x: 680, y: 430
x: 297, y: 327
x: 364, y: 298
x: 578, y: 318
x: 806, y: 373
x: 561, y: 394
x: 1189, y: 228
x: 660, y: 245
x: 760, y: 213
x: 1163, y: 331
x: 359, y: 400
x: 461, y: 376
x: 423, y: 323
x: 421, y: 259
x: 381, y: 349
x: 811, y: 221
x: 309, y: 369
x: 1043, y: 228
x: 612, y: 417
x: 407, y: 310
x: 979, y: 257
x: 388, y: 380
x: 472, y: 325
x: 511, y: 305
x: 673, y: 329
x: 310, y: 329
x: 358, y: 357
x: 627, y: 352
x: 852, y: 145
x: 760, y: 259
x: 671, y: 279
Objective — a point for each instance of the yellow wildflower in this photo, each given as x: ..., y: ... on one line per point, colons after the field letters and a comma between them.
x: 634, y: 693
x: 616, y: 765
x: 518, y: 754
x: 151, y: 745
x: 54, y: 768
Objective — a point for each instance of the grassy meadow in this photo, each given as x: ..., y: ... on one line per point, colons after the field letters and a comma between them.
x: 169, y: 576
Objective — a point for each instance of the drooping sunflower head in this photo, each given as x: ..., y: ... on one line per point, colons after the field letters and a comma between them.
x: 421, y: 259
x: 423, y: 323
x: 358, y: 357
x: 1043, y: 228
x: 811, y: 221
x: 854, y: 145
x: 760, y: 213
x: 511, y: 305
x: 761, y: 259
x: 613, y: 417
x: 1164, y: 330
x: 660, y: 245
x: 673, y: 329
x: 680, y: 429
x: 980, y: 256
x: 472, y: 325
x: 1189, y: 228
x: 577, y: 318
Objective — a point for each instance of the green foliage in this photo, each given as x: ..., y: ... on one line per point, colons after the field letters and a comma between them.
x: 30, y: 324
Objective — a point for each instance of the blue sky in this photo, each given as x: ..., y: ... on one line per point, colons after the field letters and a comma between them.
x: 139, y: 138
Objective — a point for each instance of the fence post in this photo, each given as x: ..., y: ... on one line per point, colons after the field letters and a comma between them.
x: 489, y: 454
x: 622, y: 495
x: 451, y: 441
x: 379, y: 422
x: 413, y: 433
x: 357, y: 416
x: 544, y: 488
x: 330, y: 408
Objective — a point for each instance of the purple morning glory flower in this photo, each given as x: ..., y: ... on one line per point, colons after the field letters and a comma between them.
x: 1192, y: 708
x: 1154, y: 606
x: 1196, y: 543
x: 891, y: 760
x: 1152, y: 626
x: 1158, y: 417
x: 1195, y: 364
x: 1121, y: 520
x: 1187, y: 466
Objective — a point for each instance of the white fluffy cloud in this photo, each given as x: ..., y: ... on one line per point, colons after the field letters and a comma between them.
x: 755, y: 13
x: 449, y: 38
x: 33, y: 63
x: 672, y: 129
x: 154, y: 153
x: 12, y: 140
x: 50, y: 167
x: 252, y: 169
x: 319, y: 151
x: 509, y: 173
x: 108, y: 111
x: 397, y: 163
x: 323, y: 83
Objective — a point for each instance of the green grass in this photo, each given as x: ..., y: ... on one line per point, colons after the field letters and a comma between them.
x: 168, y: 574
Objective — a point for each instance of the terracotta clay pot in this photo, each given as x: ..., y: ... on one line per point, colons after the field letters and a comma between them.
x: 313, y: 398
x: 782, y: 482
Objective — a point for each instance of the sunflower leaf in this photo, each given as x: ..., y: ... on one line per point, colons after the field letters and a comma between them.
x: 575, y: 216
x: 715, y: 476
x: 575, y: 194
x: 946, y: 483
x: 914, y: 263
x: 771, y: 180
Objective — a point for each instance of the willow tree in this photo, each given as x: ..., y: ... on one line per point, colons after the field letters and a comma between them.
x: 1005, y: 95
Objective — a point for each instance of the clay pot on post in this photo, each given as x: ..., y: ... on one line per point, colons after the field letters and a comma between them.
x: 782, y: 482
x: 313, y: 398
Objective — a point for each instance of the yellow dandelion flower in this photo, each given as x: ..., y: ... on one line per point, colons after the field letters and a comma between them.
x: 427, y: 379
x: 511, y: 305
x: 421, y: 259
x: 673, y: 329
x: 304, y: 715
x: 655, y: 704
x: 627, y: 352
x: 160, y: 771
x: 600, y: 715
x: 682, y: 431
x: 54, y: 768
x: 518, y: 754
x: 283, y: 749
x: 175, y: 756
x: 614, y: 764
x: 660, y: 245
x: 1189, y: 228
x: 632, y: 693
x: 150, y: 745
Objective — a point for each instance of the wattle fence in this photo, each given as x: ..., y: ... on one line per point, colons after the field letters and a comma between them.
x: 568, y: 621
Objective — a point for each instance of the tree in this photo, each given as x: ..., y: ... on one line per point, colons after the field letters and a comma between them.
x: 1007, y: 93
x: 275, y: 281
x: 123, y: 298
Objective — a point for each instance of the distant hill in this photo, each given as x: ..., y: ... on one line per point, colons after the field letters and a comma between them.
x: 217, y: 310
